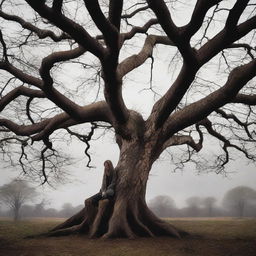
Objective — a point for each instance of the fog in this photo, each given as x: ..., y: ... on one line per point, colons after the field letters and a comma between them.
x: 82, y: 182
x: 237, y: 202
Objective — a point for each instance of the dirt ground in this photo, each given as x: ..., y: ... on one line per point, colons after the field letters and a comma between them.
x: 210, y: 237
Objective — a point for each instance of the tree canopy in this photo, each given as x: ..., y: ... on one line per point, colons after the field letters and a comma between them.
x: 53, y: 52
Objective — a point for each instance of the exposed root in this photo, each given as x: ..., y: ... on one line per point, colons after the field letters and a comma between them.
x: 99, y: 226
x: 120, y: 232
x: 118, y: 224
x: 137, y: 225
x: 74, y: 220
x: 115, y: 219
x: 160, y: 227
x: 65, y: 231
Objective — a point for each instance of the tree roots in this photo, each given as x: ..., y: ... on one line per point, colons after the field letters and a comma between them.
x: 111, y: 219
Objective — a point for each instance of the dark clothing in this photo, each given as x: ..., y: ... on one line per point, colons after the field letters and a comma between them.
x: 96, y: 198
x: 108, y: 185
x: 107, y: 188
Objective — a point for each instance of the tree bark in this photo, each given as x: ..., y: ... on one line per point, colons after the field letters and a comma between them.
x: 126, y: 214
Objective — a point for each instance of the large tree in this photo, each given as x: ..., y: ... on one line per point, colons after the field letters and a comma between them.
x: 208, y: 89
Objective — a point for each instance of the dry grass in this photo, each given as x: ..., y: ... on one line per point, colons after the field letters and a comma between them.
x: 210, y: 237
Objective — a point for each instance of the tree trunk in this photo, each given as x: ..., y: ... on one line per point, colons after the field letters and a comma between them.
x: 241, y: 205
x: 16, y: 215
x: 16, y: 212
x: 126, y: 214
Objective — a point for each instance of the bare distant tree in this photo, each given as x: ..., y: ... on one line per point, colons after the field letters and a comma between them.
x: 209, y: 88
x: 51, y: 212
x: 162, y: 206
x: 39, y: 208
x: 193, y: 203
x: 209, y: 203
x: 67, y: 210
x: 15, y: 194
x: 27, y: 211
x: 239, y: 198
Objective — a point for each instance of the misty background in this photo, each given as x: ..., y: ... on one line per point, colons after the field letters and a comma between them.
x: 66, y: 197
x: 237, y: 202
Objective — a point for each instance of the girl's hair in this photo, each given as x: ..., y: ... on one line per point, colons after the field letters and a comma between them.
x: 108, y: 165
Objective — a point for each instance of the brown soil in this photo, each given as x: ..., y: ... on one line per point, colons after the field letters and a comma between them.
x: 210, y: 238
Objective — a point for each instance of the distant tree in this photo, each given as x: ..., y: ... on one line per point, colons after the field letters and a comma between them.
x: 193, y: 203
x: 239, y: 198
x: 15, y: 194
x: 39, y: 208
x: 208, y: 203
x: 67, y: 210
x: 51, y: 212
x: 26, y: 211
x: 162, y: 205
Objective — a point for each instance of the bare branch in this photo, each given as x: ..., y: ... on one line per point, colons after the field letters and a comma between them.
x: 50, y: 60
x: 136, y: 60
x: 57, y: 5
x: 235, y: 14
x: 22, y: 76
x: 98, y: 111
x: 247, y: 47
x: 23, y: 130
x: 176, y: 140
x: 202, y: 108
x: 132, y: 14
x: 226, y: 143
x: 6, y: 84
x: 115, y: 11
x: 21, y: 90
x: 45, y: 178
x: 28, y: 109
x: 86, y: 139
x: 172, y: 31
x: 109, y: 31
x: 165, y: 106
x: 113, y: 96
x: 41, y: 33
x: 51, y: 93
x: 23, y: 155
x: 4, y: 46
x: 141, y: 30
x: 168, y: 103
x: 224, y: 39
x: 198, y: 16
x: 94, y: 112
x: 67, y: 25
x: 245, y: 99
x: 245, y: 125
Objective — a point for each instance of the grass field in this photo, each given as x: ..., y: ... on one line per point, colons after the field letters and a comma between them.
x: 210, y: 237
